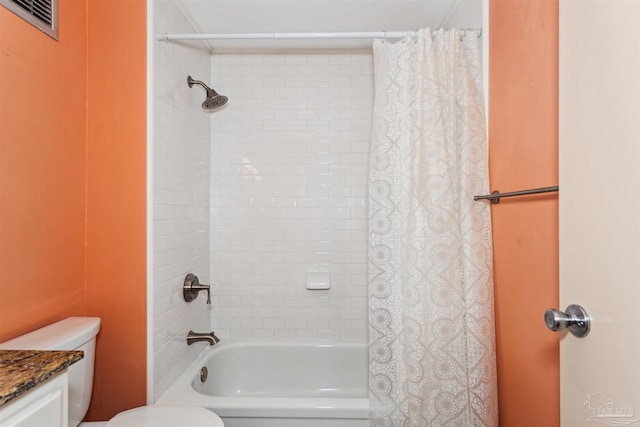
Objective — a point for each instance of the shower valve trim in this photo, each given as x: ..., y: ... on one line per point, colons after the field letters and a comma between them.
x: 191, y: 288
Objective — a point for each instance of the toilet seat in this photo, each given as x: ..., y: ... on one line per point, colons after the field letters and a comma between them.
x: 166, y: 416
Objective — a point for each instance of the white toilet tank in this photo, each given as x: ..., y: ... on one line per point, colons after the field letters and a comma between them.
x: 73, y: 333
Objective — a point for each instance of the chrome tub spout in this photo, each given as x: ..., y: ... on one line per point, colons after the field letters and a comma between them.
x: 210, y: 337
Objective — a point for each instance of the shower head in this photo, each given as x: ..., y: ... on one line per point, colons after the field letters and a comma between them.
x: 214, y: 100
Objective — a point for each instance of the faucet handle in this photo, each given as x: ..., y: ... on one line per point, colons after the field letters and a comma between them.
x: 192, y: 286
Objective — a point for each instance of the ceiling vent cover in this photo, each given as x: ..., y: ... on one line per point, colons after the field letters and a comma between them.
x: 42, y: 14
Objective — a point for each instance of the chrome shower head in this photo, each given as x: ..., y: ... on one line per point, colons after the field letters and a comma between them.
x: 214, y: 99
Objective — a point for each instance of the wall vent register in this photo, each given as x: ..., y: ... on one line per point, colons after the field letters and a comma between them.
x: 42, y: 14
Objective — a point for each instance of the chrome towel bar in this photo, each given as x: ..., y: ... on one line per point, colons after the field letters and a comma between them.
x: 495, y: 196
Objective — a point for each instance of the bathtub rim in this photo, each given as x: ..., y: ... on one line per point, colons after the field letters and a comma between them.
x: 181, y: 391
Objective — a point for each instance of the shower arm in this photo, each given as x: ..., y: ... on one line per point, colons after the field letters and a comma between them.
x: 210, y: 92
x: 192, y: 82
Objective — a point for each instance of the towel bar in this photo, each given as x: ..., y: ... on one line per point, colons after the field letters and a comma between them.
x: 495, y: 196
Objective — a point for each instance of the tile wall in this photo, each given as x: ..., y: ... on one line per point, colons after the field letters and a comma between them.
x: 181, y: 196
x: 289, y: 156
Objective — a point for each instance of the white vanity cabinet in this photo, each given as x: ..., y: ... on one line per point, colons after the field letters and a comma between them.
x: 45, y: 405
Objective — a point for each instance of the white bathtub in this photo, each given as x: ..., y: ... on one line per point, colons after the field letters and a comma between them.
x: 279, y: 384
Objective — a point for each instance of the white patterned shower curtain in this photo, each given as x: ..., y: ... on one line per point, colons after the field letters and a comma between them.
x: 431, y: 322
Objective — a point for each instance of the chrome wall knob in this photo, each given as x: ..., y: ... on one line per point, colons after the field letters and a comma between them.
x: 575, y: 319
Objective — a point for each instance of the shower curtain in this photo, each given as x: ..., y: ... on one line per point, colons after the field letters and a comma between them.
x: 431, y: 325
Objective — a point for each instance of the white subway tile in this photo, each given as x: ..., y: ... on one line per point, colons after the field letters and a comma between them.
x: 181, y: 197
x: 304, y: 122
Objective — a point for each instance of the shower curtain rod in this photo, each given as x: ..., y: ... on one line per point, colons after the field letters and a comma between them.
x: 292, y: 36
x: 496, y: 195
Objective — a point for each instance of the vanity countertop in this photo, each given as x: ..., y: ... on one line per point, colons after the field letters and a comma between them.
x: 22, y: 370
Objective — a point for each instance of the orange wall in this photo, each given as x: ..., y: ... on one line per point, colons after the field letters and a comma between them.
x: 72, y: 185
x: 523, y: 151
x: 42, y: 171
x: 116, y: 207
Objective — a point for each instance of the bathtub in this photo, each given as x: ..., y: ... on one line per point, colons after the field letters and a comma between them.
x: 278, y: 384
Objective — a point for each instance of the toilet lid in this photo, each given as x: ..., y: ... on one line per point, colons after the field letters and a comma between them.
x: 166, y: 416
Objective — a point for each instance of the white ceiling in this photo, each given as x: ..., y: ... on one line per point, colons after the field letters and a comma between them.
x: 284, y: 16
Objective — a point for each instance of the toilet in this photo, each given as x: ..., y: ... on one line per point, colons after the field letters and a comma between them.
x: 79, y: 333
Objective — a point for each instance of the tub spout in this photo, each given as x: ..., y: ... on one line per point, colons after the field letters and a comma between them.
x: 210, y: 337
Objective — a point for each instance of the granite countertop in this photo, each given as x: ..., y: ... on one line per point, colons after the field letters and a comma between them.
x: 22, y: 370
